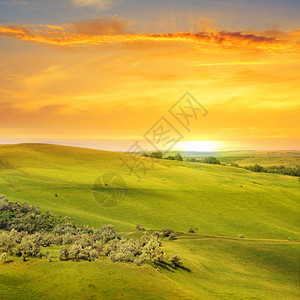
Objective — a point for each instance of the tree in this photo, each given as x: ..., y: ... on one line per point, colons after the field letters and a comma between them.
x: 176, y: 261
x: 138, y: 227
x: 152, y: 250
x: 170, y: 157
x: 108, y: 233
x: 30, y: 246
x: 125, y: 251
x: 7, y: 243
x: 63, y: 253
x: 166, y: 232
x: 178, y: 157
x: 172, y: 236
x: 75, y: 251
x: 4, y: 257
x: 93, y: 254
x: 211, y: 160
x: 192, y: 229
x: 156, y: 154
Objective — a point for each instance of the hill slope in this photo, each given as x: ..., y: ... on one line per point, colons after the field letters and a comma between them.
x: 221, y: 201
x: 217, y: 199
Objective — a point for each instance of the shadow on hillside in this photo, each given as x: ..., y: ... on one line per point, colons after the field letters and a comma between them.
x: 8, y: 261
x: 169, y: 267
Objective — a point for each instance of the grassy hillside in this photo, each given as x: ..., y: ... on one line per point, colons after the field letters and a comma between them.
x: 221, y: 201
x: 216, y: 268
x: 217, y: 199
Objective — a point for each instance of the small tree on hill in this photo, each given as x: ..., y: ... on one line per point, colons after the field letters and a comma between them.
x: 166, y: 232
x: 192, y: 229
x: 211, y: 160
x: 4, y: 257
x: 176, y: 261
x: 156, y: 154
x: 178, y: 157
x: 63, y: 253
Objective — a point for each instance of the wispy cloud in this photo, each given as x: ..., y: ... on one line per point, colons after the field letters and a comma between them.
x: 112, y: 25
x: 113, y: 30
x: 100, y: 5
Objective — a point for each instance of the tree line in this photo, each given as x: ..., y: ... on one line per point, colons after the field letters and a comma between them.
x: 292, y: 171
x: 295, y: 171
x: 28, y: 230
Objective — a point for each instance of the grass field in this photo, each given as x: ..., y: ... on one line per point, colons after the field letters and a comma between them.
x: 247, y: 158
x: 221, y: 201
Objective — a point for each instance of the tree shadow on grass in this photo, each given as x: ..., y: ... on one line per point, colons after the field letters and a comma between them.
x: 169, y: 267
x: 8, y: 261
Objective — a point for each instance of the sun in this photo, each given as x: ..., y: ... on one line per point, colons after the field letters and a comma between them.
x: 199, y: 146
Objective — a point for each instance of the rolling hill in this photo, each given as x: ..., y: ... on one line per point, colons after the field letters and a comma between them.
x: 222, y: 202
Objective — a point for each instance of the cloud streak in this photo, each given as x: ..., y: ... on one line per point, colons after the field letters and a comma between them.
x: 99, y: 26
x: 114, y: 30
x: 101, y: 5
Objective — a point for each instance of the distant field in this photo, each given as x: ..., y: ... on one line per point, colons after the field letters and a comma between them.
x: 221, y: 201
x: 246, y: 158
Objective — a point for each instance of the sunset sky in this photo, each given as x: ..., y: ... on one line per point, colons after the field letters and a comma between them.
x: 100, y: 73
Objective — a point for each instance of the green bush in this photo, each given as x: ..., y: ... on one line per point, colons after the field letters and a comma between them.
x: 176, y: 261
x: 63, y: 253
x: 166, y: 232
x: 211, y: 160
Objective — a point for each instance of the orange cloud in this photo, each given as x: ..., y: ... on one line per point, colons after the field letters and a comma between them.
x: 113, y: 25
x: 12, y: 31
x: 113, y: 30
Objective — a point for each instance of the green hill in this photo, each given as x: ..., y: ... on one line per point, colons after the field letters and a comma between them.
x: 221, y: 201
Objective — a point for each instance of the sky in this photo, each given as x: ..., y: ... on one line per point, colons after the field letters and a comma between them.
x: 104, y: 73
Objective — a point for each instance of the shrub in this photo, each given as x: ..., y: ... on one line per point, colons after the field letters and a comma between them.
x: 170, y: 157
x: 4, y: 257
x: 176, y: 261
x: 138, y: 227
x: 211, y: 160
x: 192, y: 229
x: 126, y: 251
x: 111, y: 246
x: 178, y: 157
x: 235, y: 165
x: 7, y: 244
x: 108, y: 233
x: 63, y: 253
x: 152, y: 250
x: 167, y: 231
x: 93, y: 254
x: 172, y: 236
x: 157, y: 154
x: 74, y: 251
x: 30, y: 245
x: 139, y: 260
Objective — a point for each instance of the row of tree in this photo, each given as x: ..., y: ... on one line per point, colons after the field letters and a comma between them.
x: 292, y: 171
x: 295, y: 171
x: 77, y: 242
x: 177, y: 156
x: 160, y: 155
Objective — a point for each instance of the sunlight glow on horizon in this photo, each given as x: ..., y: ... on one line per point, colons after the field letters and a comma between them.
x: 101, y: 80
x: 199, y: 146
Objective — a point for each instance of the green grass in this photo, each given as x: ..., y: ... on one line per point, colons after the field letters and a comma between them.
x: 247, y: 158
x: 220, y: 201
x: 101, y: 279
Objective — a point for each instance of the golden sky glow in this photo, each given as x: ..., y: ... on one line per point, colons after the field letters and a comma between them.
x: 83, y: 82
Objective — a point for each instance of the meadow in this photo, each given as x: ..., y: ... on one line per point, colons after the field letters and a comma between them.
x: 223, y: 202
